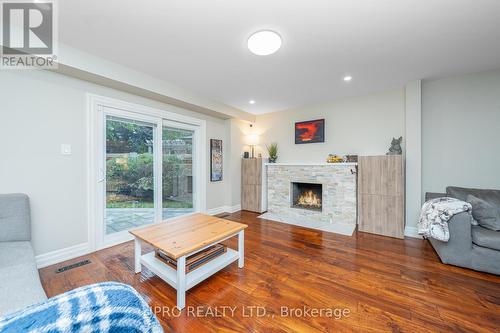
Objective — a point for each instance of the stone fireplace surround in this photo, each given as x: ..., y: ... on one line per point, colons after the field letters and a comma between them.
x: 338, y: 181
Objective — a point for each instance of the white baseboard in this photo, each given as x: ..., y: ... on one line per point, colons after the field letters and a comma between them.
x: 223, y: 209
x: 54, y: 257
x: 217, y: 210
x: 233, y: 209
x: 412, y: 232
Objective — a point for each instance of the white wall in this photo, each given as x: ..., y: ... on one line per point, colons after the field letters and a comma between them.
x: 39, y: 111
x: 361, y: 125
x: 461, y: 132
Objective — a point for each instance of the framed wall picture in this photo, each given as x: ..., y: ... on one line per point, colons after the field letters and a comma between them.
x: 215, y: 160
x: 310, y: 131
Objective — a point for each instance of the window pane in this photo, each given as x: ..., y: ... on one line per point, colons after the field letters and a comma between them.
x: 177, y: 172
x: 129, y: 174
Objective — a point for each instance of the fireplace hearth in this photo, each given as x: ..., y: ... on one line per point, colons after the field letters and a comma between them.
x: 307, y: 196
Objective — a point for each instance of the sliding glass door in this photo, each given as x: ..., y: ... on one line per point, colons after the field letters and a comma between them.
x: 177, y: 173
x: 148, y: 171
x: 130, y: 185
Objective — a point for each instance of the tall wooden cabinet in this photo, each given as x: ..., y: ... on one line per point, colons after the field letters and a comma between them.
x: 381, y: 198
x: 253, y: 185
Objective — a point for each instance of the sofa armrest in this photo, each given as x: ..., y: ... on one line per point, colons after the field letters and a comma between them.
x: 15, y: 219
x: 458, y: 249
x: 461, y: 229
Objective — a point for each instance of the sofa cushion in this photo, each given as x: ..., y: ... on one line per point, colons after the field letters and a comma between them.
x: 486, y: 237
x: 14, y: 218
x: 19, y: 280
x: 15, y: 253
x: 461, y: 193
x: 486, y: 214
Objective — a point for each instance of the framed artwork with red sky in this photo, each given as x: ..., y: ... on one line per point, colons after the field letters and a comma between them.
x: 310, y: 131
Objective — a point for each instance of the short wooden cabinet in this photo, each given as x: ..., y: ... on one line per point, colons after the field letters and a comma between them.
x: 253, y: 185
x: 381, y: 201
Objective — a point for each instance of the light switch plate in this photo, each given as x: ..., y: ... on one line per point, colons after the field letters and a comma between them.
x: 65, y: 149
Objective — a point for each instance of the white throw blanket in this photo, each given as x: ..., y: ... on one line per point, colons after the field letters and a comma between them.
x: 435, y: 216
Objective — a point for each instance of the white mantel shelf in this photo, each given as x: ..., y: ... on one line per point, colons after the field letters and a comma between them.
x: 323, y: 164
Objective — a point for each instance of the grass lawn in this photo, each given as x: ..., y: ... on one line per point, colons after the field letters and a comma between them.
x: 148, y: 204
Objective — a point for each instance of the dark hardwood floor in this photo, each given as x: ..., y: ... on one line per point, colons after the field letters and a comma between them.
x: 388, y: 285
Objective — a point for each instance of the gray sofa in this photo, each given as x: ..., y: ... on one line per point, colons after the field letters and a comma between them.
x: 469, y: 246
x: 19, y: 280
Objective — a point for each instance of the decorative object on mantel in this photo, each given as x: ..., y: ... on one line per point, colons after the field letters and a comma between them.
x: 246, y: 154
x: 272, y: 150
x: 334, y: 159
x: 395, y: 148
x: 215, y: 160
x: 351, y: 158
x: 311, y: 131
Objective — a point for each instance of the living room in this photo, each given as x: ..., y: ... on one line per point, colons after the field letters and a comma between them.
x: 306, y: 172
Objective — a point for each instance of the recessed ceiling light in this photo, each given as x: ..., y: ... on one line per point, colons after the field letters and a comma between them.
x: 347, y: 78
x: 264, y: 42
x: 251, y: 101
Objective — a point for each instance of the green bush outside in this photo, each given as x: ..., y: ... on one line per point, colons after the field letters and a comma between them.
x: 130, y: 181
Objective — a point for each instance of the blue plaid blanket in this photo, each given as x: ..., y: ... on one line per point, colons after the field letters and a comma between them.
x: 103, y: 307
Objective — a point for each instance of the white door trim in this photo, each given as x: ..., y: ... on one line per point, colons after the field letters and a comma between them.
x: 95, y: 135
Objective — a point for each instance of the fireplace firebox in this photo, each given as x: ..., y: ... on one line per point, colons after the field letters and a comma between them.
x: 306, y: 196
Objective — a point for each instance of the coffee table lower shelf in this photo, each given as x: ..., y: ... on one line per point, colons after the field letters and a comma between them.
x: 169, y: 275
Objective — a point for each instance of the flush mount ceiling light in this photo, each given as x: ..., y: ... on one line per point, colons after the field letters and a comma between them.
x: 251, y: 101
x: 264, y: 42
x: 347, y: 78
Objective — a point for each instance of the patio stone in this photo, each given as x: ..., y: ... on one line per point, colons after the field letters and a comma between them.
x: 119, y: 219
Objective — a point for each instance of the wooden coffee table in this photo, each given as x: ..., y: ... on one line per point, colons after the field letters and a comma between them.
x: 182, y: 237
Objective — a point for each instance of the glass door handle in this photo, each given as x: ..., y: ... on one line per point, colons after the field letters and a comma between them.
x: 100, y: 173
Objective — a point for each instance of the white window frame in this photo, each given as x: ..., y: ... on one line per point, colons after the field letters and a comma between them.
x: 98, y: 108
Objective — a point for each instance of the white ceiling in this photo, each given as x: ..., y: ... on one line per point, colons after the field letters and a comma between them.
x: 200, y: 45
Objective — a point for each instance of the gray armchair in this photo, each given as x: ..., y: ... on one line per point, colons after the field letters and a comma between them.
x: 19, y: 280
x: 469, y: 246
